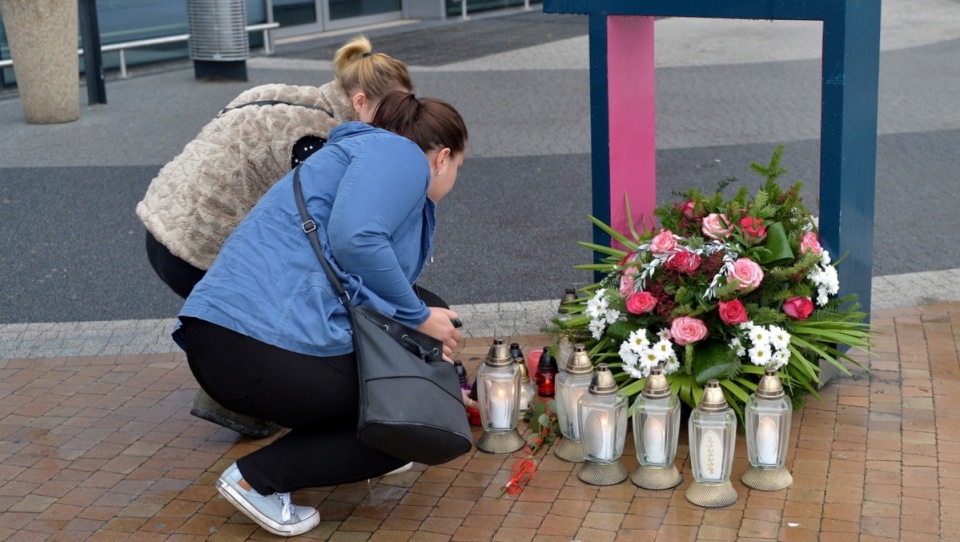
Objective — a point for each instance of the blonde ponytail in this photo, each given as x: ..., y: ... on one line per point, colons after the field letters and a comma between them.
x: 358, y: 69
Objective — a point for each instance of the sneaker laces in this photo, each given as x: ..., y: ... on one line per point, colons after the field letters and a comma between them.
x: 286, y: 508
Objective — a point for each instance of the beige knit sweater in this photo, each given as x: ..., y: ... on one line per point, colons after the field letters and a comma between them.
x: 199, y: 197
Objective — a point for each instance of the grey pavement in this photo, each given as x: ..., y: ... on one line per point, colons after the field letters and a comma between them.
x: 74, y: 279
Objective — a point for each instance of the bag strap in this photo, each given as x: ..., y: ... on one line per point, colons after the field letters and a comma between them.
x: 309, y: 227
x: 412, y: 339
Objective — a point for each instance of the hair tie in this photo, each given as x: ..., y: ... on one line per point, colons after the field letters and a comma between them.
x: 368, y: 53
x: 415, y: 98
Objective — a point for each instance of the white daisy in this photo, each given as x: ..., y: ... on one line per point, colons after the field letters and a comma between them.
x: 596, y: 329
x: 760, y: 355
x: 638, y: 340
x: 671, y: 365
x: 779, y: 338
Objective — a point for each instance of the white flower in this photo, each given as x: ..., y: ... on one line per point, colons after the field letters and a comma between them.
x: 759, y: 336
x: 596, y: 329
x: 628, y: 354
x: 612, y: 315
x: 631, y: 369
x: 664, y: 334
x: 663, y: 350
x: 736, y: 345
x: 597, y: 304
x: 648, y: 360
x: 671, y: 365
x: 825, y: 277
x: 779, y: 338
x: 760, y: 355
x: 638, y: 341
x: 779, y: 359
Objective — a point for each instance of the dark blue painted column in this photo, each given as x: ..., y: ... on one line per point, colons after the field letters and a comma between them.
x: 848, y: 149
x: 599, y: 129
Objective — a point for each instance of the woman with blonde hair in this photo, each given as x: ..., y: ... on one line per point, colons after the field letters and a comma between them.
x: 198, y: 198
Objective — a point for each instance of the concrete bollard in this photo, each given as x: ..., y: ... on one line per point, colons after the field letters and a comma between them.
x: 43, y: 44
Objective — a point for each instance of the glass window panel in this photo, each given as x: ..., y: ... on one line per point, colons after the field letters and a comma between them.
x: 294, y: 12
x: 344, y: 9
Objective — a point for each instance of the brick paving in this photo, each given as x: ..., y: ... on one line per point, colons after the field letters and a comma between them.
x: 103, y: 448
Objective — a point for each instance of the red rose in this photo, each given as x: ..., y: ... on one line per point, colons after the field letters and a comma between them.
x: 688, y: 208
x: 732, y: 312
x: 684, y: 262
x: 641, y: 302
x: 798, y: 307
x: 753, y: 228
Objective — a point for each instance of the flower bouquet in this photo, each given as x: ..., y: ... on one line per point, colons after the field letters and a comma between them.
x: 723, y: 289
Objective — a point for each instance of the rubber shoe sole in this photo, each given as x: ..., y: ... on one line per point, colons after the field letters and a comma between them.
x: 279, y: 529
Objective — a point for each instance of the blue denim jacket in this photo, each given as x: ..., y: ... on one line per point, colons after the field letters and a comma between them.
x: 367, y: 191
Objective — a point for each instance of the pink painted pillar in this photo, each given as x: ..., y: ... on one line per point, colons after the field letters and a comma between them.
x: 633, y: 110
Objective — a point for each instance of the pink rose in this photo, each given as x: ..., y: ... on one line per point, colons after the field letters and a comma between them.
x: 732, y: 312
x: 798, y: 307
x: 688, y: 209
x: 748, y: 273
x: 663, y: 242
x: 626, y: 285
x: 753, y: 228
x: 716, y: 226
x: 626, y: 259
x: 641, y: 302
x: 686, y: 330
x: 684, y: 262
x: 810, y: 243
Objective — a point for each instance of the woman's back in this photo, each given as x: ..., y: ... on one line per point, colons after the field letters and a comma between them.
x: 366, y: 190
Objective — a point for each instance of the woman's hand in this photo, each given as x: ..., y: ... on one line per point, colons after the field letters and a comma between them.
x: 439, y: 325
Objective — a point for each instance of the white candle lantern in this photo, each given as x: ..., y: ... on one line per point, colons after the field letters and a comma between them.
x: 713, y: 430
x: 572, y: 384
x: 767, y: 419
x: 602, y: 413
x: 656, y: 429
x: 498, y: 392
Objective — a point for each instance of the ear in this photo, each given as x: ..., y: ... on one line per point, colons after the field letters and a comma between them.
x: 440, y: 159
x: 358, y: 101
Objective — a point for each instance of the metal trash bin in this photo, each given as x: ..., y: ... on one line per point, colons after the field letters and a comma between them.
x: 219, y: 43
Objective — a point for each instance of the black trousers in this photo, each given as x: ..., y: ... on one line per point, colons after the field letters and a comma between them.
x: 176, y: 273
x: 316, y: 397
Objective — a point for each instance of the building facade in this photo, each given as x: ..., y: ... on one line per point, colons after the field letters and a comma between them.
x: 128, y: 20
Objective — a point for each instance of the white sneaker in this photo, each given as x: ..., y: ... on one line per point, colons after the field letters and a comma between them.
x: 274, y: 512
x: 401, y: 470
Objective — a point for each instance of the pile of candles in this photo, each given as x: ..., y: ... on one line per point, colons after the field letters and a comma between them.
x: 592, y: 414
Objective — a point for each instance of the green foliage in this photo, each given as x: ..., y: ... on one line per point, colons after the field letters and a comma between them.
x: 770, y: 228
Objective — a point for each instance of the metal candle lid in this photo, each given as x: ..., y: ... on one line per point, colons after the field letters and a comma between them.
x: 656, y: 386
x: 524, y: 374
x: 579, y: 363
x: 569, y: 296
x: 499, y: 355
x: 603, y: 382
x: 713, y: 399
x: 770, y: 386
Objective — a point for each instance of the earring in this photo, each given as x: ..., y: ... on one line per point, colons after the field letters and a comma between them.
x: 439, y: 172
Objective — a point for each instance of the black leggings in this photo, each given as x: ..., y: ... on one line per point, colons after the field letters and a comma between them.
x: 316, y: 397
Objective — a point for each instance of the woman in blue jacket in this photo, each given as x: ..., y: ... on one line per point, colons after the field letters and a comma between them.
x: 264, y: 332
